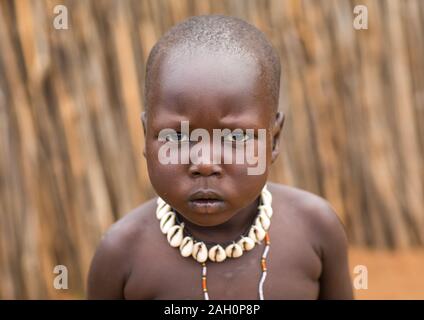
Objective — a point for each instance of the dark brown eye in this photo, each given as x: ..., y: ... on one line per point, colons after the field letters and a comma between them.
x: 237, y: 137
x: 176, y: 137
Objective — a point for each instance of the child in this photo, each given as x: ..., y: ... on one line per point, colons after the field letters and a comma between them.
x: 218, y: 232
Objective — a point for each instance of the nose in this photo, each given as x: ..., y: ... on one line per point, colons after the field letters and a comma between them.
x: 205, y: 170
x: 205, y: 165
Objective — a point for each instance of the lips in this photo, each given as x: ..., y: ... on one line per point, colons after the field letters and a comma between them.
x: 206, y: 201
x: 205, y: 195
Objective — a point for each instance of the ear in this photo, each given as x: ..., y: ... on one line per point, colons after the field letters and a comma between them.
x: 144, y: 123
x: 276, y: 132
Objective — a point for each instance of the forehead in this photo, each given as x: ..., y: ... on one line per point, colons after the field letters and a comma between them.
x: 209, y: 84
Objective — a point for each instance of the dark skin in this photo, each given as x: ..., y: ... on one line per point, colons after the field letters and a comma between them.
x: 308, y: 255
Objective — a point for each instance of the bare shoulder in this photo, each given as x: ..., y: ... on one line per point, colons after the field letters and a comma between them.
x: 131, y: 226
x: 312, y: 212
x: 315, y: 223
x: 111, y: 264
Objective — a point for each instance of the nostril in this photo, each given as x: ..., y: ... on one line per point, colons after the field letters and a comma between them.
x: 205, y: 170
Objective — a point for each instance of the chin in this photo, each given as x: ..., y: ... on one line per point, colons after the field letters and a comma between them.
x: 207, y: 220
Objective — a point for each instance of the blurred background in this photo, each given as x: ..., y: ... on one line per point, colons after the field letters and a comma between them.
x: 71, y: 140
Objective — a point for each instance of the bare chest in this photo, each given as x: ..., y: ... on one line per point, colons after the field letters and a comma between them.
x: 291, y: 274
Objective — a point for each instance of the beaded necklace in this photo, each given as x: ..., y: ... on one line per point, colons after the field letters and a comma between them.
x: 178, y: 237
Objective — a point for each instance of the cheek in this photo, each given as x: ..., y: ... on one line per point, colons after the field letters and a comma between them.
x: 161, y: 173
x: 254, y: 160
x: 246, y: 188
x: 169, y: 181
x: 245, y: 181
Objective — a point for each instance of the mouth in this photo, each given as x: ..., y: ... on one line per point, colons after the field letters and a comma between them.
x: 206, y: 201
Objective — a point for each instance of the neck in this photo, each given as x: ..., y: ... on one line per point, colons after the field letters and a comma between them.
x: 226, y: 232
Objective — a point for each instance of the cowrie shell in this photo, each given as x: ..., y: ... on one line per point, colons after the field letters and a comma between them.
x: 186, y: 247
x: 217, y: 253
x: 167, y: 221
x: 266, y: 196
x: 175, y: 235
x: 234, y: 250
x: 267, y: 209
x: 160, y: 202
x: 200, y: 252
x: 263, y: 221
x: 246, y: 243
x: 160, y: 212
x: 257, y: 233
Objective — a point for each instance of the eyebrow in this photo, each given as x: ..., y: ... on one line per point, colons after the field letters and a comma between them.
x: 239, y: 122
x: 228, y: 121
x: 236, y: 124
x: 169, y: 123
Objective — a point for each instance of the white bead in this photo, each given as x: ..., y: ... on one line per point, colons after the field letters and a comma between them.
x: 263, y: 221
x: 234, y: 250
x: 257, y: 233
x: 200, y: 252
x: 160, y: 211
x: 167, y: 221
x: 246, y: 243
x: 175, y: 235
x: 186, y: 247
x: 217, y: 253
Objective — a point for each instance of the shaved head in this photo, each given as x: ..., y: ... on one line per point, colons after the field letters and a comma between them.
x: 217, y: 34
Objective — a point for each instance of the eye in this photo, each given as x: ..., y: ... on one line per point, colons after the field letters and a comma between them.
x: 176, y: 137
x: 237, y: 137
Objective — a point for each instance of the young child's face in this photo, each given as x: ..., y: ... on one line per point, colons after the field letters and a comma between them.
x: 211, y: 91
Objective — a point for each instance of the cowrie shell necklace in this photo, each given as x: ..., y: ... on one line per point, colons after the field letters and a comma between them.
x: 177, y: 237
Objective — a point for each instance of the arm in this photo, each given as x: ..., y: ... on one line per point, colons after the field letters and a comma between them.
x: 106, y: 278
x: 335, y: 282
